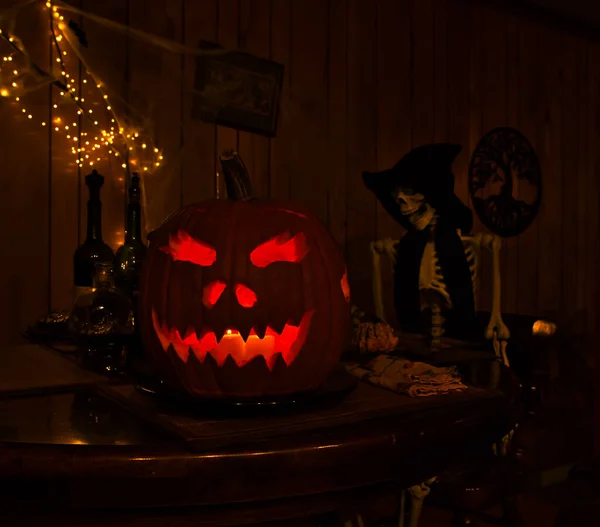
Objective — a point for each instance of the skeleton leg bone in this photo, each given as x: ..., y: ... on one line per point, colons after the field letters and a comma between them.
x: 418, y: 493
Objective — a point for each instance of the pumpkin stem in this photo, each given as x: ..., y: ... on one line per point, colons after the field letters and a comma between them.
x: 237, y: 179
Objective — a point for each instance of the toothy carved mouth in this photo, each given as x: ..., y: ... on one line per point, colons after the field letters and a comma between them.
x: 288, y: 343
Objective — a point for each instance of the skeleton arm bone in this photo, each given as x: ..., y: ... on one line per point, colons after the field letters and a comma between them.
x: 496, y: 329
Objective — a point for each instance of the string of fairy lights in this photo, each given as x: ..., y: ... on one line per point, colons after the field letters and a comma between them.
x: 94, y: 135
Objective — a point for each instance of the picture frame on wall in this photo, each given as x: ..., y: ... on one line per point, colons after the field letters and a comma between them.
x: 237, y: 90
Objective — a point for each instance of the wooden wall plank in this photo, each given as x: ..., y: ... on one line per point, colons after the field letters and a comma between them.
x: 361, y: 147
x: 309, y: 176
x: 199, y: 154
x: 492, y: 71
x: 530, y: 80
x: 591, y: 131
x: 587, y: 191
x: 457, y: 58
x: 549, y: 140
x: 510, y: 246
x: 440, y: 70
x: 337, y: 120
x: 254, y: 37
x: 107, y: 57
x: 394, y: 112
x: 476, y: 14
x: 572, y: 144
x: 24, y: 184
x: 228, y: 25
x: 68, y: 202
x: 422, y: 66
x: 592, y: 191
x: 281, y: 51
x: 592, y: 61
x: 155, y: 77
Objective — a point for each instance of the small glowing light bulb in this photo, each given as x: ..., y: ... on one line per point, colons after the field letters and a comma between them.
x: 30, y: 116
x: 43, y: 123
x: 4, y: 92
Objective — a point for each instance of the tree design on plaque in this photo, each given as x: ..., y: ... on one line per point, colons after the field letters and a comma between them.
x: 505, y: 182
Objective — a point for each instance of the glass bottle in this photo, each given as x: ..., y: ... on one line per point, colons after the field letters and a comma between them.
x: 129, y: 259
x: 130, y: 256
x: 93, y: 249
x: 102, y: 323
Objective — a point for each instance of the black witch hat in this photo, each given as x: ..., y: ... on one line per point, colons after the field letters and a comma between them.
x: 427, y: 170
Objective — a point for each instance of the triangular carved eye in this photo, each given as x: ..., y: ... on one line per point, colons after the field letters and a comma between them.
x: 184, y: 248
x: 281, y: 248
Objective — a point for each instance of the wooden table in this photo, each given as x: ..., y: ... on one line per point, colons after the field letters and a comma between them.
x: 91, y: 454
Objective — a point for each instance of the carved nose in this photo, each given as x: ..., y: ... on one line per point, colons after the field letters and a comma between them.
x: 245, y: 296
x: 212, y: 292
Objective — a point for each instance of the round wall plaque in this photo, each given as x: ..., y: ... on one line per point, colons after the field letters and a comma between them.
x: 505, y: 182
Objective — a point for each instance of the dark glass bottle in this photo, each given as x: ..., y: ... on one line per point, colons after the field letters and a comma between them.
x: 93, y: 250
x: 129, y: 259
x: 130, y: 256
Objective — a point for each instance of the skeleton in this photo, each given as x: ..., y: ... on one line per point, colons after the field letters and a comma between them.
x: 434, y: 294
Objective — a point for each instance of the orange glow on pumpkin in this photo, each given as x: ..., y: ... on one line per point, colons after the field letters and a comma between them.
x: 245, y: 296
x: 345, y: 286
x: 212, y: 293
x: 288, y: 343
x: 184, y: 248
x: 281, y: 248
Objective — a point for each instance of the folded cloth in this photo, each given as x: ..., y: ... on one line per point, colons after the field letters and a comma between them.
x: 416, y: 379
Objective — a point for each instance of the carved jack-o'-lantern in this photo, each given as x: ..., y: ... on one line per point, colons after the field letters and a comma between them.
x: 244, y: 299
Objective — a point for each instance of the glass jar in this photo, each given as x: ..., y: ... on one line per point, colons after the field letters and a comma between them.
x: 103, y: 324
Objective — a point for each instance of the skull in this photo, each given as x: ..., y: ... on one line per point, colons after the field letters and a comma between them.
x: 414, y: 207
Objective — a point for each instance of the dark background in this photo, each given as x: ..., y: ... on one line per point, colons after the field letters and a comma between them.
x: 365, y: 81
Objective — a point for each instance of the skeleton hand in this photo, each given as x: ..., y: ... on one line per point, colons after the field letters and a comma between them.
x: 386, y: 246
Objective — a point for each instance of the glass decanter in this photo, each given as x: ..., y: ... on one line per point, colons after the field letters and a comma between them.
x: 103, y: 323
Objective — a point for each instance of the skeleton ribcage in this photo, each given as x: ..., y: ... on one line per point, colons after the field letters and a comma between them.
x: 431, y: 281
